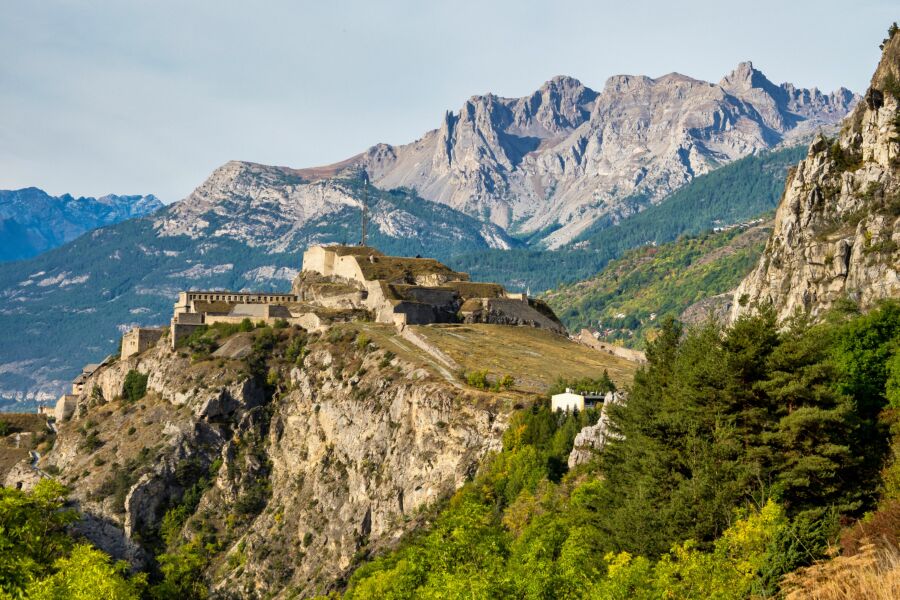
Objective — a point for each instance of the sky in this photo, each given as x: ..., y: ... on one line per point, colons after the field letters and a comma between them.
x: 137, y: 97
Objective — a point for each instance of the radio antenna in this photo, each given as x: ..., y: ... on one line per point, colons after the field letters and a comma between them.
x: 365, y: 207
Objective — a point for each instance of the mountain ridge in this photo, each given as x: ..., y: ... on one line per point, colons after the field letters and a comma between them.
x: 567, y: 155
x: 32, y: 221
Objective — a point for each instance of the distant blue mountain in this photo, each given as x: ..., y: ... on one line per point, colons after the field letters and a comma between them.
x: 32, y: 221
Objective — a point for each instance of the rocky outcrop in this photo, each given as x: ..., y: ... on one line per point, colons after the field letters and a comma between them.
x: 339, y: 454
x: 593, y: 438
x: 567, y: 155
x: 837, y: 228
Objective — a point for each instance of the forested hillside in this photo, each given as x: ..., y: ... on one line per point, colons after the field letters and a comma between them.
x: 631, y: 296
x: 741, y: 456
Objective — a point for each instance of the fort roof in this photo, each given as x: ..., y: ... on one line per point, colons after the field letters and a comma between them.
x: 213, y: 307
x: 341, y: 250
x: 231, y: 293
x: 394, y: 268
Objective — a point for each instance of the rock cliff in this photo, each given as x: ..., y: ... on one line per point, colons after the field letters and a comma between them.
x: 836, y: 232
x: 301, y: 457
x: 288, y: 456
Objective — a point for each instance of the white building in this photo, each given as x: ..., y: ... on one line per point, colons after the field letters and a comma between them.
x: 571, y: 400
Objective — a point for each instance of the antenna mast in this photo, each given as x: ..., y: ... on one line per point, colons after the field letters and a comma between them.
x: 365, y: 207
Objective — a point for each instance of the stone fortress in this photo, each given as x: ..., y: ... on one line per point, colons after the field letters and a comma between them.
x: 347, y: 283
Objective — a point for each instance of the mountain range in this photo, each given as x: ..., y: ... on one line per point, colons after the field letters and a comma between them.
x: 511, y: 178
x: 554, y: 162
x: 32, y: 221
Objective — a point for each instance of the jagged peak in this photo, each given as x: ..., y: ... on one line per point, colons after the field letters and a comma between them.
x: 562, y: 82
x: 745, y: 76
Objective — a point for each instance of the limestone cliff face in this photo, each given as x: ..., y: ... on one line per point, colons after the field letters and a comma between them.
x: 837, y: 229
x: 329, y: 460
x: 567, y: 155
x: 353, y: 461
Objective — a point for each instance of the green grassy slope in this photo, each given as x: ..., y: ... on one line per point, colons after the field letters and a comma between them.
x: 657, y: 280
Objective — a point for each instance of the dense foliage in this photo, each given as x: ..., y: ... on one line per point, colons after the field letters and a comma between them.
x: 629, y: 298
x: 39, y: 559
x: 135, y: 386
x: 737, y: 453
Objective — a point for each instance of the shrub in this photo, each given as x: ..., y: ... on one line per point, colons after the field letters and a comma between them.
x: 91, y: 442
x: 477, y: 379
x: 362, y: 341
x: 503, y: 383
x: 4, y: 428
x: 296, y: 350
x: 135, y: 386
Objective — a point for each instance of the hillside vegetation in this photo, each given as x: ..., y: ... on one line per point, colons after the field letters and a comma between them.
x: 629, y: 298
x: 740, y: 454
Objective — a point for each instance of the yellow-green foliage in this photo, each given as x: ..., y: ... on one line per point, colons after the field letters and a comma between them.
x: 39, y: 560
x: 88, y: 574
x: 728, y: 572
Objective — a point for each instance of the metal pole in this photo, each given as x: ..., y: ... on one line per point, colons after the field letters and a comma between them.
x: 365, y: 207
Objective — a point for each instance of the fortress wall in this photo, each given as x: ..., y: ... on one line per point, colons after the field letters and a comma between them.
x: 65, y: 406
x: 139, y: 340
x: 179, y: 330
x: 415, y: 313
x: 347, y: 266
x: 319, y: 259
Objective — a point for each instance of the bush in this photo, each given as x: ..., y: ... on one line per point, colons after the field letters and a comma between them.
x: 135, y: 386
x: 362, y: 341
x: 296, y: 350
x: 4, y: 428
x: 477, y: 379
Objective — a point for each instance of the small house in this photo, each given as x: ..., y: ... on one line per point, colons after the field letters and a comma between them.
x: 571, y: 400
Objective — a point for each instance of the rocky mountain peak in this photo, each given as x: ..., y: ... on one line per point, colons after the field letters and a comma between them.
x: 744, y: 77
x: 565, y: 156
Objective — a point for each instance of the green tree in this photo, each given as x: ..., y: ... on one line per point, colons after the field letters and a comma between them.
x: 88, y: 574
x: 32, y: 533
x: 135, y: 386
x: 182, y: 571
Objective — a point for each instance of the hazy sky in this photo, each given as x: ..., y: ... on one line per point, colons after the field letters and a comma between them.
x: 130, y: 97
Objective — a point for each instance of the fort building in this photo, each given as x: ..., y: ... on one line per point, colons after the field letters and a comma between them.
x: 140, y: 339
x: 344, y: 283
x: 67, y: 402
x: 411, y: 291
